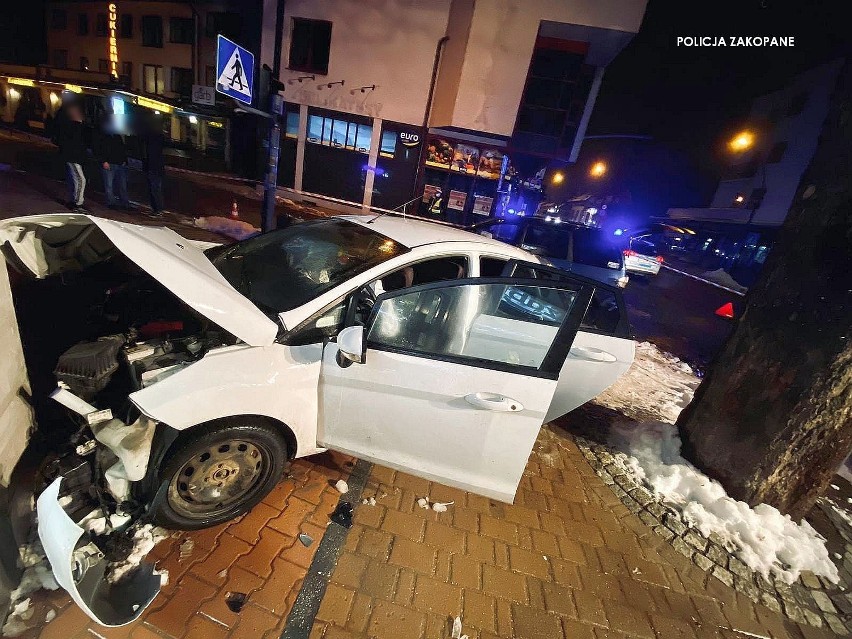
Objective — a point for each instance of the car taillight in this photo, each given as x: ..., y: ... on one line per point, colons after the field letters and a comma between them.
x: 629, y: 253
x: 660, y: 259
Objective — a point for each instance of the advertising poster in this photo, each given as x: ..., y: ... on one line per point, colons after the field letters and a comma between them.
x: 465, y: 159
x: 490, y: 164
x: 457, y: 200
x: 430, y: 191
x: 439, y: 153
x: 482, y: 205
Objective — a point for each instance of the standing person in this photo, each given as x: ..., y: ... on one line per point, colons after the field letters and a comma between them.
x: 111, y: 151
x: 153, y: 163
x: 71, y: 139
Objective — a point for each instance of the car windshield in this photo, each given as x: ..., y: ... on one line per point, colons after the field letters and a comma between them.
x: 590, y: 246
x: 281, y: 270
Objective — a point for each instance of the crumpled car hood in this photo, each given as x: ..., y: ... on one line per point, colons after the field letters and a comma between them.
x: 49, y: 244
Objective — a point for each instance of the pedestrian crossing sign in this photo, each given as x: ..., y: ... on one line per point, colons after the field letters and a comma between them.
x: 234, y: 70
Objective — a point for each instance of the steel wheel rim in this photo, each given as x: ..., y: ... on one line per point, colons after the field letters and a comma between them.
x: 217, y: 478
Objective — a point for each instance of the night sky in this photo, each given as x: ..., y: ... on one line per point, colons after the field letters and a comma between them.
x: 691, y: 99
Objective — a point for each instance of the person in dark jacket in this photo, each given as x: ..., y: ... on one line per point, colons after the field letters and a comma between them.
x: 71, y: 139
x: 111, y: 152
x: 153, y: 162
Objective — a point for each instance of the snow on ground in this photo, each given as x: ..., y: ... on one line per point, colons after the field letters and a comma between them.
x: 144, y: 539
x: 658, y: 386
x: 231, y: 227
x: 37, y: 575
x: 723, y: 278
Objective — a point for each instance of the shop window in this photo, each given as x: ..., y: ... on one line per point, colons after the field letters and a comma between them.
x: 387, y: 148
x: 152, y: 31
x: 125, y: 29
x: 227, y: 23
x: 310, y: 43
x: 776, y: 153
x: 339, y: 133
x: 153, y: 79
x: 291, y: 128
x: 103, y: 65
x: 182, y: 81
x: 181, y: 30
x: 101, y: 25
x: 84, y: 63
x: 82, y: 24
x: 58, y: 19
x: 60, y: 58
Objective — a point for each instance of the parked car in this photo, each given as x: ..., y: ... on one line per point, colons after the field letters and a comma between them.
x: 641, y: 257
x: 206, y: 368
x: 584, y: 250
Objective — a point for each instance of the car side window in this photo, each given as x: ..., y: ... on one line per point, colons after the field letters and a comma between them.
x: 507, y: 324
x: 440, y: 269
x: 603, y: 314
x: 491, y: 266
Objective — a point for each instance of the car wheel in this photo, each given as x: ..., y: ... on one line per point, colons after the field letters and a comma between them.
x: 218, y: 474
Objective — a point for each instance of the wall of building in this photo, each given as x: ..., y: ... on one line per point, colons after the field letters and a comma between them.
x: 16, y: 418
x: 800, y: 132
x: 500, y: 45
x: 389, y: 43
x: 95, y: 47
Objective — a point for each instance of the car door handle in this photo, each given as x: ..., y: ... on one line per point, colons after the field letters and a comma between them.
x: 494, y: 401
x: 592, y: 354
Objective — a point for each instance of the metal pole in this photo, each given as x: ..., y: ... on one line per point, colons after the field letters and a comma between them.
x: 276, y: 107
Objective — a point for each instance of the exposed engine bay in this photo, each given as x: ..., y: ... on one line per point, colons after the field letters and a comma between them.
x: 127, y: 332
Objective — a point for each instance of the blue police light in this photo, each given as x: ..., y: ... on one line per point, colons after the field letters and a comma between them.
x: 619, y: 231
x: 511, y: 211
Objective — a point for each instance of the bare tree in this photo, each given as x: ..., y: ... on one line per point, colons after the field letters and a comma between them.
x: 772, y: 420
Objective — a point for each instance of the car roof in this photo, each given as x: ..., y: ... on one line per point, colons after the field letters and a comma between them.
x: 412, y: 232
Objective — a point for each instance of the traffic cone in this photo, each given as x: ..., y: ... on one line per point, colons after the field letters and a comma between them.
x: 235, y: 210
x: 726, y: 310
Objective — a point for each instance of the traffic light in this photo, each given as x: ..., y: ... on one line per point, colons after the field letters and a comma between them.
x: 268, y: 85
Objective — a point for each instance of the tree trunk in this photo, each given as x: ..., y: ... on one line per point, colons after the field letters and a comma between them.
x: 772, y: 420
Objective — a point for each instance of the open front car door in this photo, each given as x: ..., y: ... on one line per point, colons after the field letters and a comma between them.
x: 451, y: 381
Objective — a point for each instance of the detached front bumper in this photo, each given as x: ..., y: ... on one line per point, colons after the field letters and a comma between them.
x: 80, y: 568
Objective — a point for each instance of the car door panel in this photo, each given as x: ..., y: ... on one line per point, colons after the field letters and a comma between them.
x: 453, y: 390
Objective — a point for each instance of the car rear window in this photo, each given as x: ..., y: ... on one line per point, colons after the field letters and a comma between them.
x: 590, y: 246
x: 594, y: 248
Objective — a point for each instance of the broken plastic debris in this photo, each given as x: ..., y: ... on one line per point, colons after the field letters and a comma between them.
x: 342, y: 487
x: 441, y: 507
x: 135, y: 607
x: 164, y: 577
x: 342, y: 515
x: 457, y: 627
x: 235, y: 600
x: 186, y: 549
x: 306, y: 540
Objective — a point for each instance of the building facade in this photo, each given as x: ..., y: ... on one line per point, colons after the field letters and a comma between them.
x: 452, y: 109
x: 158, y: 55
x: 752, y: 199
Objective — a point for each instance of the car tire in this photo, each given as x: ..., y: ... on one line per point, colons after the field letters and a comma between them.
x: 218, y: 473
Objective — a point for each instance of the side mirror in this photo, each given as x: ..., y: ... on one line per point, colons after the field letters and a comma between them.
x: 350, y: 345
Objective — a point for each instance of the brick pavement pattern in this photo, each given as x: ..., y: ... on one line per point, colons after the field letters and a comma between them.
x: 568, y: 559
x: 258, y: 554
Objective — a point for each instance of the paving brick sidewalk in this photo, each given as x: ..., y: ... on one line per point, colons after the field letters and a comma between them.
x: 567, y: 559
x: 258, y: 555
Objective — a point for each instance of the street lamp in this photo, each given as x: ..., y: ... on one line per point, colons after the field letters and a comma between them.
x: 598, y: 169
x: 558, y: 177
x: 741, y: 142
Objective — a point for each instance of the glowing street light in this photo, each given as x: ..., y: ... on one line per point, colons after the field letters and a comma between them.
x: 598, y: 169
x: 741, y: 142
x: 558, y: 177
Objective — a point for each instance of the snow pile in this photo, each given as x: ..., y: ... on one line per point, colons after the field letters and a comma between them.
x: 657, y: 386
x: 722, y: 278
x: 36, y: 575
x: 763, y: 538
x: 236, y: 229
x: 144, y: 539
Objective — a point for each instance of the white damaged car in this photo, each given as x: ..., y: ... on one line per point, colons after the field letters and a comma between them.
x: 203, y: 369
